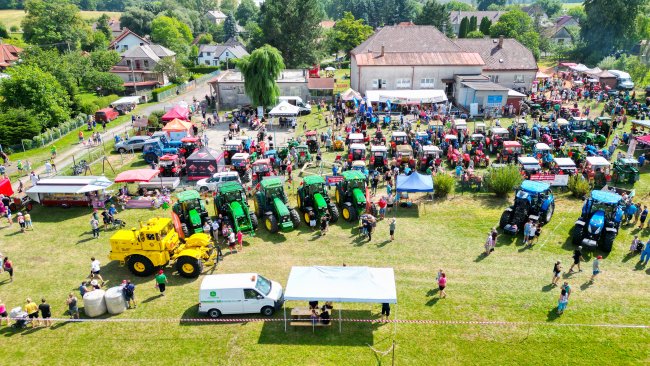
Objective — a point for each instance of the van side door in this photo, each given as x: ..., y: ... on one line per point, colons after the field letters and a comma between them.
x: 252, y: 301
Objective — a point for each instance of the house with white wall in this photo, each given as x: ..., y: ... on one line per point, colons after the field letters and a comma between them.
x: 137, y: 66
x: 216, y: 54
x: 127, y: 40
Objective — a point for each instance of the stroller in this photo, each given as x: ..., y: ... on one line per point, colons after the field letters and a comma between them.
x: 20, y: 318
x: 118, y: 223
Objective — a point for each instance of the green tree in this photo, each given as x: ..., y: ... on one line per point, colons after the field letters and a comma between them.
x: 138, y: 20
x: 230, y: 27
x: 485, y: 4
x: 293, y: 27
x: 228, y: 6
x: 485, y: 25
x: 459, y: 6
x: 3, y: 31
x: 464, y: 27
x: 472, y: 24
x: 173, y: 68
x: 578, y: 13
x: 104, y: 27
x: 609, y: 26
x: 17, y: 124
x: 51, y: 62
x: 517, y: 24
x: 103, y: 60
x: 173, y: 34
x: 550, y: 7
x: 29, y: 87
x: 261, y: 69
x: 254, y: 36
x: 247, y: 11
x: 103, y: 83
x: 347, y: 33
x: 436, y: 14
x: 475, y: 34
x: 205, y: 38
x: 54, y: 23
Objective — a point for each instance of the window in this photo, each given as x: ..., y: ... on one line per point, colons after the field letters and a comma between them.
x: 494, y: 78
x: 427, y: 83
x: 240, y: 90
x: 207, y: 62
x: 250, y: 294
x: 379, y: 84
x: 146, y: 64
x: 403, y: 83
x: 128, y: 63
x: 207, y: 54
x: 519, y: 78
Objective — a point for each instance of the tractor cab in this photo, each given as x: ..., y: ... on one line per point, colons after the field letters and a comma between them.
x: 423, y: 138
x: 170, y: 166
x: 519, y: 127
x: 477, y: 138
x: 314, y: 201
x: 529, y: 165
x: 242, y: 164
x: 603, y: 125
x: 378, y: 157
x: 544, y: 152
x: 564, y: 166
x: 351, y: 195
x: 459, y: 125
x: 312, y: 140
x: 600, y: 221
x: 262, y: 168
x: 511, y: 150
x: 153, y: 149
x: 533, y: 201
x: 428, y: 156
x: 360, y: 166
x: 268, y: 154
x: 404, y: 155
x: 191, y: 212
x: 479, y: 127
x: 399, y: 138
x: 231, y: 147
x: 356, y: 138
x: 356, y: 152
x: 189, y: 145
x: 231, y: 202
x: 578, y: 123
x: 598, y: 168
x: 626, y: 171
x: 496, y: 137
x: 303, y: 154
x: 379, y: 138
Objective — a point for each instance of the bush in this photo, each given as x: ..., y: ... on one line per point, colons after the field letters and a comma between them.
x: 203, y: 69
x: 443, y: 184
x: 578, y: 186
x: 503, y: 180
x: 27, y: 144
x: 155, y: 92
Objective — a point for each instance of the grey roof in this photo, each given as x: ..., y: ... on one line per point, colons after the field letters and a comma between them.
x: 153, y: 51
x: 484, y: 85
x: 238, y: 50
x: 162, y: 51
x: 407, y: 38
x: 455, y: 17
x: 512, y: 56
x: 217, y: 14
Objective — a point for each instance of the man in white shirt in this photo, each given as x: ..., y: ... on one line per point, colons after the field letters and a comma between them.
x: 95, y: 269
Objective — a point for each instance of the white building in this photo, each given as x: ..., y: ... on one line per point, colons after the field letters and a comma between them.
x: 127, y: 40
x: 137, y: 66
x: 215, y: 55
x: 216, y: 16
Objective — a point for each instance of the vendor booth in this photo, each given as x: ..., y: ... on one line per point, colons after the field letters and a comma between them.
x: 204, y: 162
x: 415, y: 182
x: 70, y: 191
x: 126, y: 104
x: 177, y: 129
x: 144, y: 198
x: 177, y: 112
x: 285, y: 113
x: 350, y: 95
x: 338, y: 285
x: 423, y: 96
x: 5, y: 187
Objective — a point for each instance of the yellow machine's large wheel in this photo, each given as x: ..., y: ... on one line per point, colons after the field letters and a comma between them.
x: 189, y: 267
x: 337, y: 196
x: 346, y: 213
x: 298, y: 199
x: 306, y: 216
x: 140, y: 265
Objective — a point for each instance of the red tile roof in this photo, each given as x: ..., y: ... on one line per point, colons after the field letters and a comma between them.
x: 8, y: 54
x: 142, y: 83
x: 419, y: 59
x: 320, y: 83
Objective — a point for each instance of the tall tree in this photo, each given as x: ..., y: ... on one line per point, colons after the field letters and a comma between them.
x: 138, y: 20
x: 347, y: 33
x: 473, y: 24
x: 517, y: 24
x: 454, y: 5
x: 436, y: 14
x: 485, y: 25
x: 261, y: 70
x: 173, y: 34
x: 293, y: 27
x: 54, y: 23
x: 228, y: 6
x: 550, y: 7
x: 230, y: 27
x: 246, y: 11
x: 609, y: 26
x: 485, y: 4
x: 3, y: 31
x: 463, y: 28
x: 104, y: 27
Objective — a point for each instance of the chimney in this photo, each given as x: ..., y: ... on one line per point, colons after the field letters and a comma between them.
x: 500, y: 41
x: 382, y: 51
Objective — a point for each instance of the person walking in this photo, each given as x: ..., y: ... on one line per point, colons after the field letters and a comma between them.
x: 94, y: 226
x: 95, y: 269
x: 489, y: 244
x: 324, y: 224
x: 567, y: 288
x: 129, y: 294
x: 596, y: 268
x: 562, y: 302
x: 442, y: 283
x: 643, y: 217
x: 577, y: 257
x: 3, y: 313
x: 73, y: 309
x: 557, y: 270
x: 240, y: 240
x: 8, y: 267
x: 46, y: 312
x: 161, y: 282
x: 645, y: 254
x: 32, y: 312
x: 391, y: 228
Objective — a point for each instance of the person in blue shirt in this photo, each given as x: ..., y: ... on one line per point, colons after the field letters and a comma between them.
x: 335, y: 170
x: 641, y: 160
x: 112, y: 210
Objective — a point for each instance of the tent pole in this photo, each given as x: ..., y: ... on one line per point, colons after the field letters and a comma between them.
x: 285, y: 318
x: 395, y: 322
x: 339, y: 319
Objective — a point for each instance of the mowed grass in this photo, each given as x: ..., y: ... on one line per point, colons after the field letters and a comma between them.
x: 14, y: 17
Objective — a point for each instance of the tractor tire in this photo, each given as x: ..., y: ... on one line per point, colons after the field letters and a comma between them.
x: 505, y: 219
x: 186, y: 231
x: 258, y: 206
x: 271, y: 224
x: 140, y: 266
x: 254, y: 221
x: 576, y: 235
x: 307, y: 214
x: 189, y: 267
x: 298, y: 203
x: 295, y: 218
x: 267, y: 311
x: 608, y: 241
x: 547, y: 215
x: 214, y: 313
x: 338, y: 196
x: 334, y: 213
x: 151, y: 158
x: 347, y: 211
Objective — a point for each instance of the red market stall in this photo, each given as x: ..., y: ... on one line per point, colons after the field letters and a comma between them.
x: 5, y: 187
x: 136, y: 175
x: 177, y: 112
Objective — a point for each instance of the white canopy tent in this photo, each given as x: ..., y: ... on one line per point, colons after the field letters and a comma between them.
x: 284, y: 109
x: 407, y: 96
x: 69, y: 185
x: 127, y: 100
x: 341, y: 284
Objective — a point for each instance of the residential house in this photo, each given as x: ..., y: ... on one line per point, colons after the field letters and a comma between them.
x: 558, y: 34
x: 114, y: 25
x: 137, y: 66
x: 567, y: 21
x: 537, y: 14
x: 455, y: 17
x: 507, y: 62
x: 229, y: 91
x: 216, y: 16
x: 216, y: 54
x: 9, y: 54
x: 127, y: 40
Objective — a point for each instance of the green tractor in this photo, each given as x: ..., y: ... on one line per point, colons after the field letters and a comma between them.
x: 232, y: 204
x: 272, y: 206
x: 190, y: 213
x: 313, y: 199
x: 626, y: 171
x: 351, y: 194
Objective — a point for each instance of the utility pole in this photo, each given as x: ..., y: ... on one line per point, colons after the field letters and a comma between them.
x: 135, y: 88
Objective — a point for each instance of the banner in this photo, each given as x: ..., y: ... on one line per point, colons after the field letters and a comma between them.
x: 555, y: 180
x: 331, y: 180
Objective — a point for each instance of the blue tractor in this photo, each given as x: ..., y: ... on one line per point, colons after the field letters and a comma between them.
x: 153, y: 149
x: 533, y: 201
x: 600, y: 220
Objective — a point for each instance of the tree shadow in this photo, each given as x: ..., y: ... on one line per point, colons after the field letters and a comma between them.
x: 490, y: 201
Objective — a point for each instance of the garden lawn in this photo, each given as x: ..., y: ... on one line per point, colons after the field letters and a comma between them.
x: 10, y: 17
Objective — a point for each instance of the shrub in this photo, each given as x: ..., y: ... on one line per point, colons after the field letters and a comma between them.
x: 443, y: 184
x: 155, y: 92
x: 503, y: 180
x: 203, y: 69
x: 27, y: 144
x: 578, y: 186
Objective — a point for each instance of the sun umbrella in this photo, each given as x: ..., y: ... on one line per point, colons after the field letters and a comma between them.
x: 330, y: 68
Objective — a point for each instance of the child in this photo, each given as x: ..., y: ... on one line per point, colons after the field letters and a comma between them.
x: 240, y: 240
x: 644, y: 216
x: 21, y: 222
x: 562, y: 302
x: 312, y: 221
x: 489, y: 244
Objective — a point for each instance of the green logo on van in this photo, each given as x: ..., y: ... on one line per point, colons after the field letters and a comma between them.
x: 213, y: 293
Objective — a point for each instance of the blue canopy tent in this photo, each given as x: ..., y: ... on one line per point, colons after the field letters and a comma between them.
x: 415, y: 182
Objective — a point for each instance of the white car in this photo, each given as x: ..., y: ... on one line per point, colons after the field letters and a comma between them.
x: 211, y: 184
x: 239, y: 293
x: 134, y: 143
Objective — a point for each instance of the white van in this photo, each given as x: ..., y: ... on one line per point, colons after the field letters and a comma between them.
x: 623, y: 80
x: 305, y: 108
x: 239, y: 293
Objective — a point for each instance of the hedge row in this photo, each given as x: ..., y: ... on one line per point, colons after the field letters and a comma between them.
x: 155, y: 92
x: 204, y: 69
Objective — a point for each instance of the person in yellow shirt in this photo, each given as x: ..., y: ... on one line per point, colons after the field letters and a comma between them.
x: 32, y: 312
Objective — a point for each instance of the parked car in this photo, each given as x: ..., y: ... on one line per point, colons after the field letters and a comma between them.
x: 133, y: 143
x: 106, y: 115
x: 239, y: 293
x: 211, y: 184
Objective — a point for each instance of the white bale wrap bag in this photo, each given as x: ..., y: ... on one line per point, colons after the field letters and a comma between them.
x: 115, y: 302
x: 94, y: 303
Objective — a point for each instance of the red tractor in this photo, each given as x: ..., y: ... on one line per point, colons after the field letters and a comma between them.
x: 171, y: 166
x: 262, y: 168
x: 356, y: 152
x: 481, y: 159
x: 189, y: 145
x: 404, y: 156
x: 378, y: 157
x: 453, y: 156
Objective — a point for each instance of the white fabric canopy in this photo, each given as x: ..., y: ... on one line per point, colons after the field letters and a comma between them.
x: 69, y: 185
x: 127, y: 100
x: 341, y: 284
x: 407, y: 96
x: 284, y: 109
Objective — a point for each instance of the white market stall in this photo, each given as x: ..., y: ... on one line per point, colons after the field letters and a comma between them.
x: 341, y: 284
x: 427, y: 96
x: 285, y: 110
x: 126, y: 104
x: 70, y: 191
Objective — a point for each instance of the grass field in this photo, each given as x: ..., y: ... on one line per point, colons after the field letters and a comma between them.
x: 14, y: 17
x: 511, y: 285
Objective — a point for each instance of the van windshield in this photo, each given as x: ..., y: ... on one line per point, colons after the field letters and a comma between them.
x: 263, y: 285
